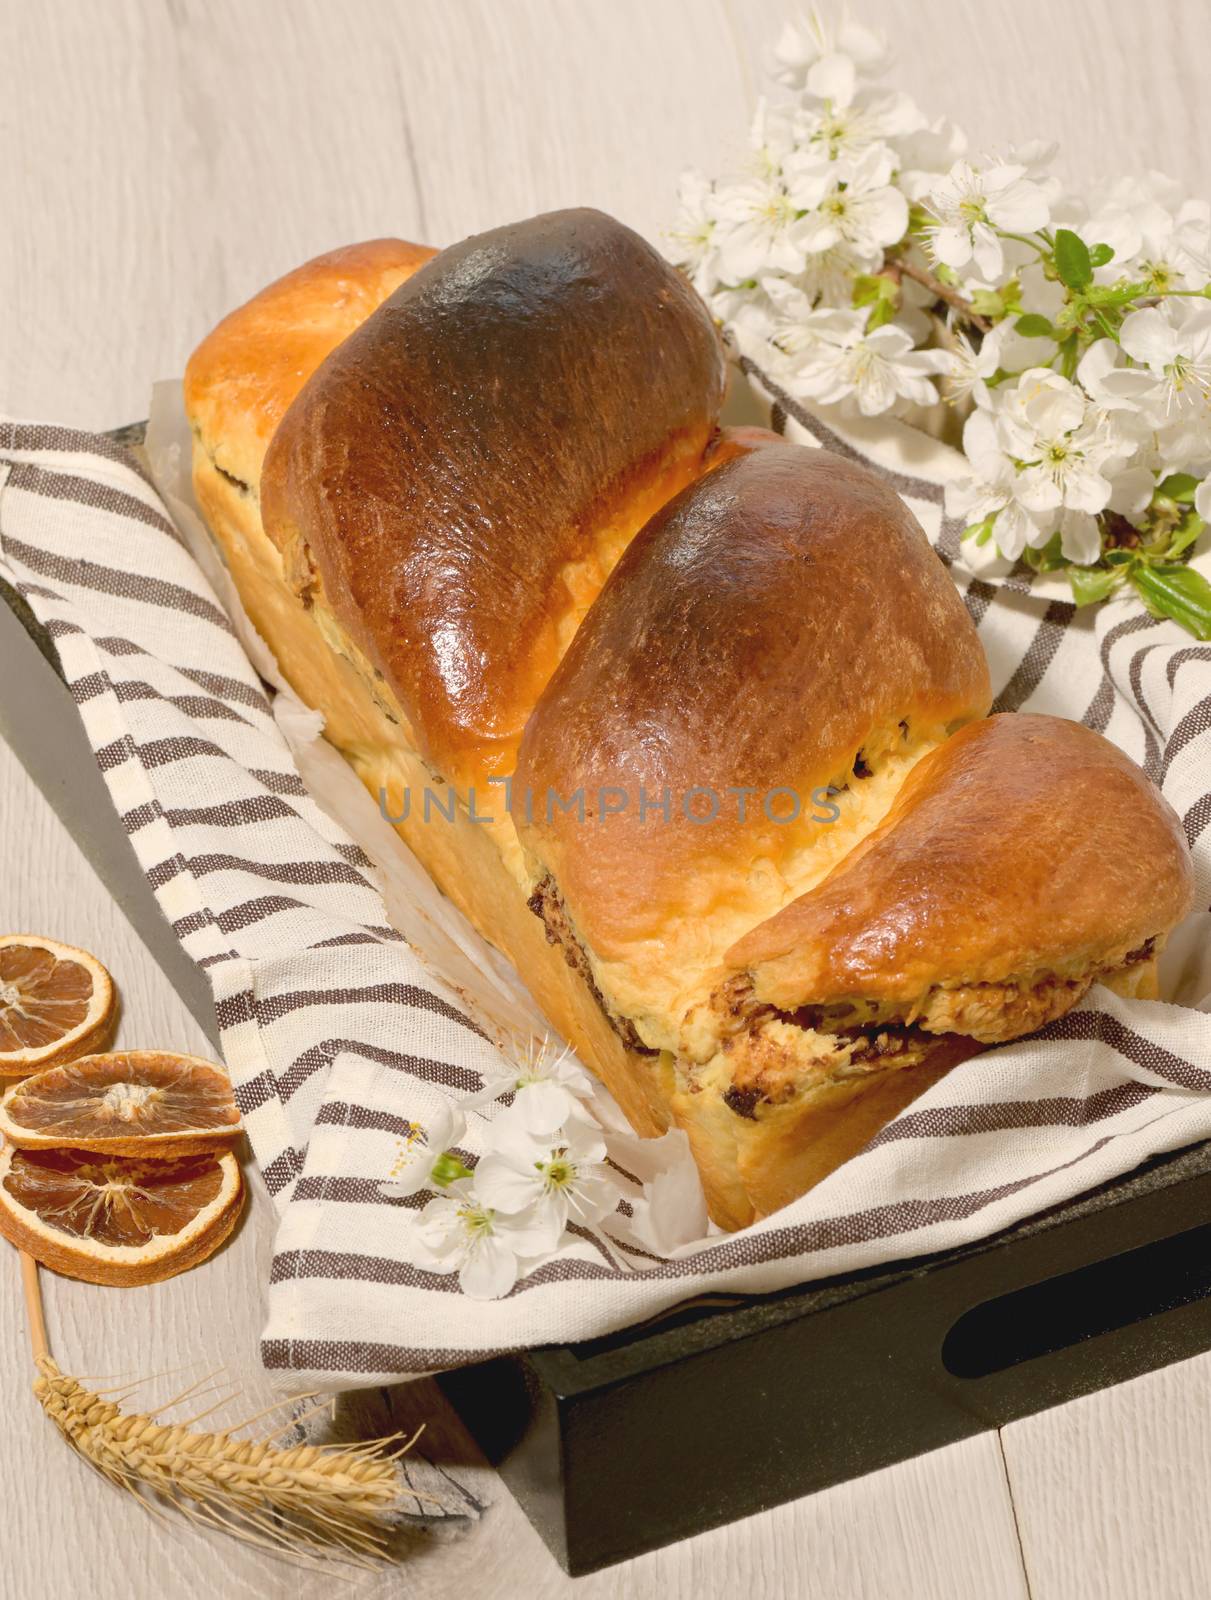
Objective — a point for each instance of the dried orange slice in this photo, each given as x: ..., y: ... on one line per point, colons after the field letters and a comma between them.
x: 56, y: 1002
x: 129, y: 1103
x: 113, y: 1220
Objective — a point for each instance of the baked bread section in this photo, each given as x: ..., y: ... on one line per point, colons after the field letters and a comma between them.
x: 1024, y: 860
x: 241, y: 381
x: 453, y: 488
x: 239, y: 384
x: 762, y: 858
x: 765, y: 666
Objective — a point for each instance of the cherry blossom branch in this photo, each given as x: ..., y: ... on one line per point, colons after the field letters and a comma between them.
x: 943, y: 291
x: 785, y: 257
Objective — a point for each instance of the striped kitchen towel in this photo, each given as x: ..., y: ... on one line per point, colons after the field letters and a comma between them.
x: 340, y: 1035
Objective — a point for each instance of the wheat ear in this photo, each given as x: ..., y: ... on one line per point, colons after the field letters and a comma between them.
x: 309, y: 1498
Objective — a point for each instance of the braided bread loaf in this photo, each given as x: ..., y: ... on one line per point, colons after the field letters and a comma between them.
x: 712, y: 714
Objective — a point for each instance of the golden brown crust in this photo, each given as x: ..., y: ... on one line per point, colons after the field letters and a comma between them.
x: 783, y: 625
x: 466, y: 467
x: 753, y: 1165
x: 243, y: 376
x: 775, y: 626
x: 462, y: 857
x: 362, y: 717
x: 729, y: 444
x: 1025, y: 849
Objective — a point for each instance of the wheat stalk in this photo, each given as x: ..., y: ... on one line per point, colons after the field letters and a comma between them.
x: 307, y: 1498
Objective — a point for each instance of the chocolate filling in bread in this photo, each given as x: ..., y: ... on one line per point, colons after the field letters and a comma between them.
x: 770, y: 1054
x: 545, y: 902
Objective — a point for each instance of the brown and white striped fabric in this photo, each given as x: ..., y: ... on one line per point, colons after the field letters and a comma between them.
x: 337, y: 1036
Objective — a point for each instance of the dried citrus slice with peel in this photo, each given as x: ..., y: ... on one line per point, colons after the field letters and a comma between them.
x: 114, y: 1220
x: 128, y: 1103
x: 56, y: 1002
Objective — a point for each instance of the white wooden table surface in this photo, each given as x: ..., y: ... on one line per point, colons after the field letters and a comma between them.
x: 162, y: 159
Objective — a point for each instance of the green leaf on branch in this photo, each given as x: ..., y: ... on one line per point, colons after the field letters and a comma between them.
x: 1177, y: 591
x: 1033, y: 326
x: 1072, y: 260
x: 1178, y: 486
x: 1100, y: 254
x: 879, y: 291
x: 869, y: 287
x: 1187, y: 533
x: 1070, y: 355
x: 1091, y: 584
x: 987, y: 303
x: 981, y: 532
x: 1116, y: 294
x: 1047, y: 559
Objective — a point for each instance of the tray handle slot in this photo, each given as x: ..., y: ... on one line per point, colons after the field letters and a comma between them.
x: 1058, y: 1313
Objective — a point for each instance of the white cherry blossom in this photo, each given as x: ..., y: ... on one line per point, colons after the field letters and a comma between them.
x: 988, y: 490
x: 458, y: 1233
x: 772, y: 137
x: 548, y: 1085
x: 1174, y: 345
x: 966, y: 370
x: 553, y: 1179
x: 925, y: 151
x: 843, y: 178
x: 1176, y: 251
x: 692, y: 242
x: 758, y: 228
x: 854, y: 205
x: 842, y: 129
x: 670, y: 1214
x: 1155, y: 233
x: 1080, y: 537
x: 970, y: 203
x: 793, y: 303
x: 828, y: 275
x: 1017, y: 530
x: 1045, y: 460
x: 1167, y: 388
x: 1062, y: 443
x: 809, y: 50
x: 749, y: 317
x: 424, y: 1149
x: 795, y: 330
x: 876, y: 370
